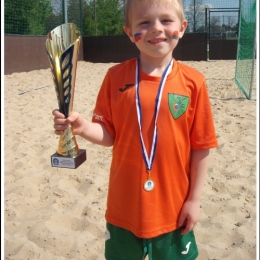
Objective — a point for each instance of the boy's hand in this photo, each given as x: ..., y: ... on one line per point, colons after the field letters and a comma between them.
x: 189, y: 216
x: 61, y: 123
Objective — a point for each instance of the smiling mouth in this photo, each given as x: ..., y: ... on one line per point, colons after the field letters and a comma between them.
x: 157, y: 40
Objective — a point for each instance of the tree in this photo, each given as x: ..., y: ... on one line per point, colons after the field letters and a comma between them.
x: 215, y: 26
x: 88, y: 17
x: 38, y: 17
x: 16, y: 21
x: 103, y: 17
x: 195, y: 15
x: 53, y: 20
x: 26, y: 16
x: 74, y: 10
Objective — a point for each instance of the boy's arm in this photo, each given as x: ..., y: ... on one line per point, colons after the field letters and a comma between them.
x: 93, y: 132
x: 96, y: 133
x: 191, y: 208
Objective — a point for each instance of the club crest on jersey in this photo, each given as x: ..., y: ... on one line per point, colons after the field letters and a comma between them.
x: 178, y: 104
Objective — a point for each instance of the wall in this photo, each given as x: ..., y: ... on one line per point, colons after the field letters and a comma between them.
x: 193, y: 46
x: 222, y: 49
x: 26, y: 53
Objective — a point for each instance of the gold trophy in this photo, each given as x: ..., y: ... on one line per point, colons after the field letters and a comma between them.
x: 62, y: 46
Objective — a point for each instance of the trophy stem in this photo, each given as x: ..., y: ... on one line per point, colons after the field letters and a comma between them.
x: 67, y: 144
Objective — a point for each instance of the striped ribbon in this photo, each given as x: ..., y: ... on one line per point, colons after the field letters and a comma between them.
x: 149, y: 160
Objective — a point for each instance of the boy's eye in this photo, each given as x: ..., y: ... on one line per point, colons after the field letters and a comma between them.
x: 144, y: 22
x: 166, y: 21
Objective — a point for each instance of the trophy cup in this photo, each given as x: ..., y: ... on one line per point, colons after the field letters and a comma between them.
x: 62, y: 47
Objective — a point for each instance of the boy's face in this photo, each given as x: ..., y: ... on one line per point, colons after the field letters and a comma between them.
x: 155, y: 29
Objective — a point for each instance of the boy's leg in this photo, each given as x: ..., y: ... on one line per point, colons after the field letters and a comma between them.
x: 122, y: 244
x: 173, y: 245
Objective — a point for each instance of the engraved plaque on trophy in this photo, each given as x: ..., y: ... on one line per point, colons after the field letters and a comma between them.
x: 62, y: 47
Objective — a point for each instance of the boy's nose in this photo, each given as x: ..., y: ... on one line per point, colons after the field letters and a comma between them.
x: 156, y: 27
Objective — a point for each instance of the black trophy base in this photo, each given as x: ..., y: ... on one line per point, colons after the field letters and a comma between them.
x: 60, y: 161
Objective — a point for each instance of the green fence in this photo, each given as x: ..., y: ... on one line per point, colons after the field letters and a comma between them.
x: 100, y: 17
x: 38, y: 17
x: 245, y: 76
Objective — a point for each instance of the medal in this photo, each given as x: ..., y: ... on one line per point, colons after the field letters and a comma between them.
x: 149, y: 184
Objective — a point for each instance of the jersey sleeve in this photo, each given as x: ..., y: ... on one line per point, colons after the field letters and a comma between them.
x: 203, y: 134
x: 102, y: 112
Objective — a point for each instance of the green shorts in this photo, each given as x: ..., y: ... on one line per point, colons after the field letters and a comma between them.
x: 122, y: 244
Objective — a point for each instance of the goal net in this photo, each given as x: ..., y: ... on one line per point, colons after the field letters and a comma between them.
x: 245, y: 76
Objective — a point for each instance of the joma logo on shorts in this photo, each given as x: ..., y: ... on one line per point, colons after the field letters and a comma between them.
x: 187, y: 249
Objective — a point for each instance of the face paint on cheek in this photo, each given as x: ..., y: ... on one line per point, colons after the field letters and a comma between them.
x: 137, y: 36
x: 175, y: 35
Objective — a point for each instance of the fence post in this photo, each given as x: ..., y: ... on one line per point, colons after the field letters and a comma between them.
x: 95, y: 17
x: 206, y: 19
x: 253, y: 67
x: 80, y: 17
x: 65, y: 11
x: 194, y: 19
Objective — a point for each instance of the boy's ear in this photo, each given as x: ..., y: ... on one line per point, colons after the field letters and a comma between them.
x: 183, y: 28
x: 129, y: 33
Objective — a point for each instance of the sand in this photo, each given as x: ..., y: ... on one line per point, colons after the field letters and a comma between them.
x: 56, y: 213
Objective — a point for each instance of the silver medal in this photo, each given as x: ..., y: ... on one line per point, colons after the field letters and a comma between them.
x: 149, y: 185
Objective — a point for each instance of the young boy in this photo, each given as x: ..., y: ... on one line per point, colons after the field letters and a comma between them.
x: 156, y: 113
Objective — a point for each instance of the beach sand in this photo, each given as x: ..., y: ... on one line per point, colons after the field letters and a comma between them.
x: 56, y: 213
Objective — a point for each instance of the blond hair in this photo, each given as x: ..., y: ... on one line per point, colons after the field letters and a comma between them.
x: 129, y: 5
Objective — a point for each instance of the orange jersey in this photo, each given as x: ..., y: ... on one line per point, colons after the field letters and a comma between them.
x: 184, y: 122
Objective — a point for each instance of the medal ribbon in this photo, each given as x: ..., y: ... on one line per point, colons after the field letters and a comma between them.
x: 149, y: 161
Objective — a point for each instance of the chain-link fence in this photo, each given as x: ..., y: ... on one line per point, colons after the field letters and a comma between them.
x: 213, y: 16
x: 38, y: 17
x: 105, y: 17
x: 245, y: 76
